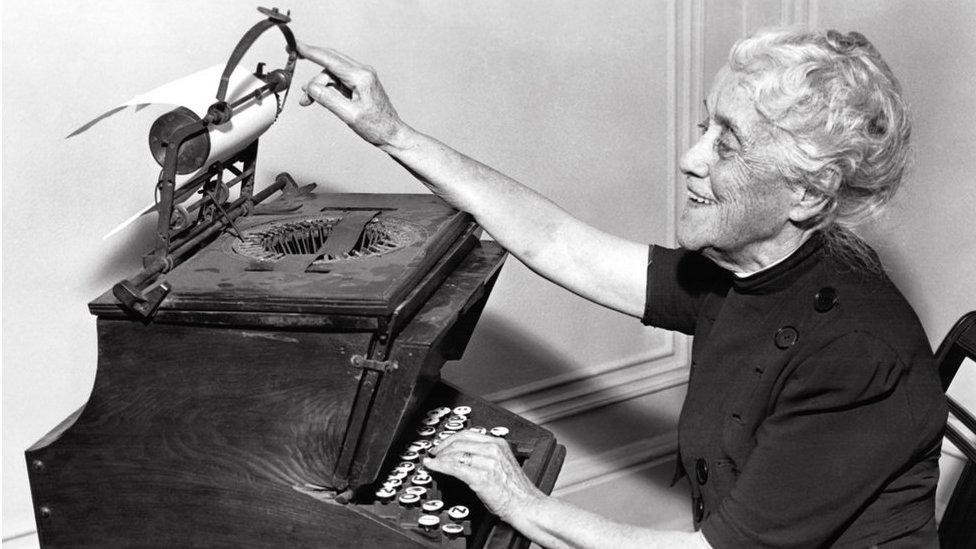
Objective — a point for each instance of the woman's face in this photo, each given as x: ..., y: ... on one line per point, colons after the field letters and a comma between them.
x: 736, y: 201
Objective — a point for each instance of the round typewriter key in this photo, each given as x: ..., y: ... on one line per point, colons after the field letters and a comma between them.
x: 433, y: 505
x: 421, y: 479
x: 409, y: 456
x: 422, y: 444
x: 426, y: 431
x: 457, y: 417
x: 440, y: 411
x: 479, y: 430
x: 418, y: 491
x: 444, y: 434
x: 454, y: 426
x: 398, y: 474
x: 430, y: 421
x: 414, y: 447
x: 429, y: 522
x: 458, y: 512
x: 452, y: 529
x: 385, y: 493
x: 393, y: 483
x: 499, y: 431
x: 408, y: 499
x: 462, y: 410
x: 406, y: 466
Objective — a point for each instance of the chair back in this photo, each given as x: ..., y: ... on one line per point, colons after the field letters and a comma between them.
x: 958, y: 525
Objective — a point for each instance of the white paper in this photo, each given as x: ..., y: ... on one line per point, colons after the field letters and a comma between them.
x: 197, y: 92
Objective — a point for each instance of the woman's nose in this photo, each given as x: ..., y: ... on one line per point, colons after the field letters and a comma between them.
x: 694, y: 161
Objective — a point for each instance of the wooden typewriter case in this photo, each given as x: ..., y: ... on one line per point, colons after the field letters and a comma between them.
x: 268, y: 391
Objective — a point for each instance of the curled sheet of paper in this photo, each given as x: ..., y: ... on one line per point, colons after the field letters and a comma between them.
x: 197, y: 92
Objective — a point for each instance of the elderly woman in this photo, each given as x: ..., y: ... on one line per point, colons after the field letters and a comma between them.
x: 814, y: 414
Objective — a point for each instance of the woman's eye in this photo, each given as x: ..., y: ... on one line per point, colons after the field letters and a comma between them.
x: 723, y: 148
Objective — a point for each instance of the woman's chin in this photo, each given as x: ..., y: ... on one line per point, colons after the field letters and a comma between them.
x: 690, y: 239
x: 691, y: 244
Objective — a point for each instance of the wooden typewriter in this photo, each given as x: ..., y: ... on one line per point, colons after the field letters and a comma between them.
x: 271, y: 378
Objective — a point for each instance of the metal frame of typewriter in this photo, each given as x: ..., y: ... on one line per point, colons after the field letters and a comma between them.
x: 175, y: 140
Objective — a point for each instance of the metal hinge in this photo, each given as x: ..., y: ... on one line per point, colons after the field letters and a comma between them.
x: 361, y: 361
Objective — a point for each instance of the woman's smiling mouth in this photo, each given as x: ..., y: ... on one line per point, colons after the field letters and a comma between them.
x: 696, y: 198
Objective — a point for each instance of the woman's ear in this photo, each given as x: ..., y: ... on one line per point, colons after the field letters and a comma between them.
x: 810, y: 202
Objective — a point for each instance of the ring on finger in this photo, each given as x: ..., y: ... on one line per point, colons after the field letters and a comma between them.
x: 464, y: 458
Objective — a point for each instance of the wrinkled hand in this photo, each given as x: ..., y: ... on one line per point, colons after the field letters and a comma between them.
x: 352, y: 92
x: 491, y: 471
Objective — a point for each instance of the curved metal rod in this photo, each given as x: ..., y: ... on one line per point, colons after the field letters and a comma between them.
x: 248, y: 39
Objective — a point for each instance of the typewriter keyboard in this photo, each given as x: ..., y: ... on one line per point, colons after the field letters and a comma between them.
x: 438, y: 507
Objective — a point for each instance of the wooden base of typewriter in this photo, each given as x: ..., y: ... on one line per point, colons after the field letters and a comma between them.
x: 236, y: 429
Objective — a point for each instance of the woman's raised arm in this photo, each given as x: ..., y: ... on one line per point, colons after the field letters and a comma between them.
x: 603, y: 268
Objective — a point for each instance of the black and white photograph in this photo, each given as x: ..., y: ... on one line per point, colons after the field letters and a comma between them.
x: 488, y: 274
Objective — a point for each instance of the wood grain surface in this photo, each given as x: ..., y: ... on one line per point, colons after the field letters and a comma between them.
x: 228, y: 434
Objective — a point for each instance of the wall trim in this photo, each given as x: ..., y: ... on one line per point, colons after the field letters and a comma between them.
x: 20, y: 535
x: 559, y: 397
x: 567, y: 400
x: 662, y: 368
x: 526, y: 390
x: 794, y: 12
x: 580, y: 473
x: 801, y: 13
x: 950, y: 449
x: 685, y: 83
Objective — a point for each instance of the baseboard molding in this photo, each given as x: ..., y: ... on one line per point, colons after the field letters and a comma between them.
x: 550, y: 402
x: 949, y: 449
x: 579, y: 473
x: 27, y: 538
x: 577, y: 374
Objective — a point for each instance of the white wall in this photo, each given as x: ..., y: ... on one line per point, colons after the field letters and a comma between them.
x: 587, y: 102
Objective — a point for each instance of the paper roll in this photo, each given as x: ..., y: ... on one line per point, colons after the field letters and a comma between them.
x: 250, y: 120
x: 197, y: 92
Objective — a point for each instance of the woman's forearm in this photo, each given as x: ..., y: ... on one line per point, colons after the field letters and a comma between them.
x: 518, y: 217
x: 486, y: 464
x: 599, y: 266
x: 553, y: 523
x: 606, y: 269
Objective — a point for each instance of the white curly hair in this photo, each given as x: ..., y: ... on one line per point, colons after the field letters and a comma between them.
x: 847, y: 127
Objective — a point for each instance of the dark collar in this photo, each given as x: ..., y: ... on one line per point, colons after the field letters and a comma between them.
x: 783, y: 274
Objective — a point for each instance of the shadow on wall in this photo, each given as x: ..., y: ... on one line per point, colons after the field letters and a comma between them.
x: 126, y: 257
x: 501, y: 356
